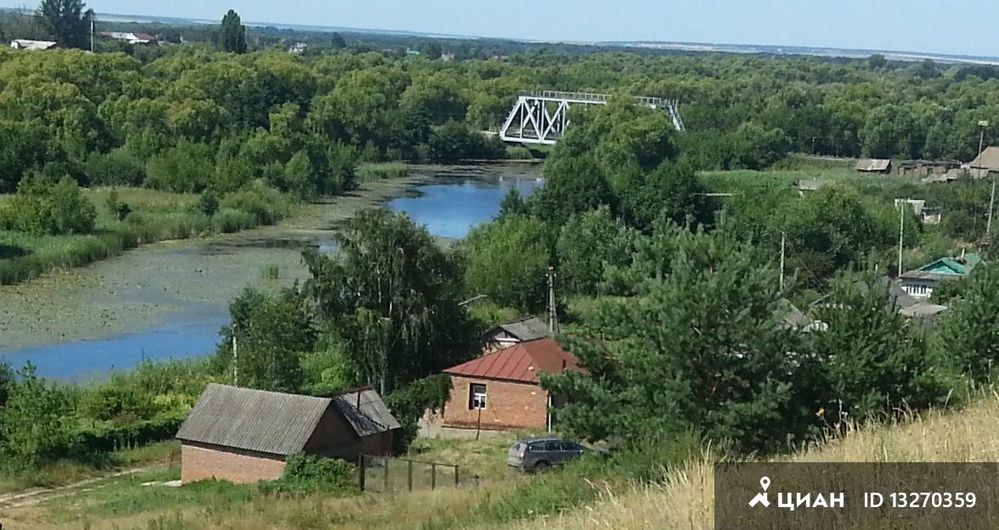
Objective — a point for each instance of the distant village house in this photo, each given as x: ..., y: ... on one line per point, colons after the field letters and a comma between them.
x: 244, y: 435
x: 511, y: 333
x: 986, y: 164
x: 130, y: 37
x: 930, y: 216
x: 874, y: 165
x: 502, y: 391
x: 33, y: 45
x: 921, y: 282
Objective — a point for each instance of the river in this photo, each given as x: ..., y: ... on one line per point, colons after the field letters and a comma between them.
x: 169, y: 300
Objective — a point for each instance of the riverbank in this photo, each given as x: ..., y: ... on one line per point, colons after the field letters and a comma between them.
x: 142, y: 287
x: 130, y: 217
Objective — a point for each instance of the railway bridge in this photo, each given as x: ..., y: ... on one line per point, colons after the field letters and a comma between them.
x: 542, y: 117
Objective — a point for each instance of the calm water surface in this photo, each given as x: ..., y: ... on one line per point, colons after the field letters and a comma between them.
x: 448, y: 209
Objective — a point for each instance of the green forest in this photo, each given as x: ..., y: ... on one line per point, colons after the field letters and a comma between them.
x: 666, y: 244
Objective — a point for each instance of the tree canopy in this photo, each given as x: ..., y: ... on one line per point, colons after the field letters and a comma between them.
x: 393, y: 297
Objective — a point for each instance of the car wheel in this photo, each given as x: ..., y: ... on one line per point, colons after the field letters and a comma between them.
x: 541, y: 467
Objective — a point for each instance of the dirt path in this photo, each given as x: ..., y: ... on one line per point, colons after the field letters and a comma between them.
x: 37, y: 496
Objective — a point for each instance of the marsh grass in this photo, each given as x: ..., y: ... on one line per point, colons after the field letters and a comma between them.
x: 270, y: 272
x: 379, y: 171
x: 156, y: 216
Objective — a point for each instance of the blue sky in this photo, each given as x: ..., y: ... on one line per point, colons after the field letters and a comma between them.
x: 956, y: 26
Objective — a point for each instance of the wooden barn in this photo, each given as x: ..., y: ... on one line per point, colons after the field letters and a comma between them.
x: 244, y: 435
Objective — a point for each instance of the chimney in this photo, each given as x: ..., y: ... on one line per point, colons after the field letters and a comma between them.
x: 358, y: 400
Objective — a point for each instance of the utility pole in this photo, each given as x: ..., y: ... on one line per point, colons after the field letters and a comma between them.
x: 992, y: 204
x: 902, y: 204
x: 981, y: 139
x: 552, y: 310
x: 235, y: 359
x: 783, y: 238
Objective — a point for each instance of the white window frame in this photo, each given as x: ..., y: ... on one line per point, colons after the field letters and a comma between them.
x: 477, y: 400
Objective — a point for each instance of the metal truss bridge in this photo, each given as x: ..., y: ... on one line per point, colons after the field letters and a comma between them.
x: 542, y: 117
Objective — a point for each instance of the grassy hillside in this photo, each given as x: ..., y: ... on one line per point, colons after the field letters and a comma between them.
x: 503, y: 499
x: 686, y: 500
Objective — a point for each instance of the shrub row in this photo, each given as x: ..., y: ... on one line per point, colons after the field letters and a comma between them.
x: 106, y: 439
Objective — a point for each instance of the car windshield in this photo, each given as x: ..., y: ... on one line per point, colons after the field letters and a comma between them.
x: 519, y: 446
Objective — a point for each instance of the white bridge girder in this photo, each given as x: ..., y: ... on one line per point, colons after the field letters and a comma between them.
x: 542, y: 117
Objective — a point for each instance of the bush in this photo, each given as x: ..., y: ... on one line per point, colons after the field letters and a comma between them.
x: 409, y: 403
x: 518, y: 152
x: 307, y: 474
x: 118, y: 209
x: 453, y: 141
x: 267, y: 206
x: 208, y: 203
x: 41, y: 207
x: 117, y: 168
x: 185, y: 168
x: 228, y: 220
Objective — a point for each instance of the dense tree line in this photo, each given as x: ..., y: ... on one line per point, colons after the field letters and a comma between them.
x: 191, y: 118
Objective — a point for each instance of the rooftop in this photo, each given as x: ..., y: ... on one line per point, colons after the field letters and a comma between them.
x: 988, y: 159
x: 520, y: 363
x: 525, y: 329
x: 275, y: 422
x: 873, y: 164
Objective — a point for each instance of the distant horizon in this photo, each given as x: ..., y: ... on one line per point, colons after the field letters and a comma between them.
x: 800, y: 46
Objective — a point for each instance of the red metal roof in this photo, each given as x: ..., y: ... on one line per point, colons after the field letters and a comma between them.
x: 520, y: 362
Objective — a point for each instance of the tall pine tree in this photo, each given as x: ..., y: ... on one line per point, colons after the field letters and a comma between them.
x: 233, y: 36
x: 67, y: 21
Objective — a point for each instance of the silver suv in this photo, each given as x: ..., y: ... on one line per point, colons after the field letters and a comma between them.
x: 537, y: 454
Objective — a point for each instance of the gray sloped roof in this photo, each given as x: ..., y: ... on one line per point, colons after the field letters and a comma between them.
x: 901, y: 298
x: 987, y: 159
x: 873, y: 164
x: 790, y: 316
x: 254, y: 420
x: 923, y: 309
x: 526, y: 329
x: 371, y: 417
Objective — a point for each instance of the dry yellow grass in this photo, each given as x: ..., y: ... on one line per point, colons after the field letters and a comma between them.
x: 686, y: 500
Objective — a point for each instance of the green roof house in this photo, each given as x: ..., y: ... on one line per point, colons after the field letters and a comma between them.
x: 920, y: 282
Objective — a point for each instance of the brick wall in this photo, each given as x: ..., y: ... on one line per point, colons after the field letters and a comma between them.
x: 202, y: 462
x: 508, y: 405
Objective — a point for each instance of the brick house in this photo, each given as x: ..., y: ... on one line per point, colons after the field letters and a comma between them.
x: 244, y: 435
x: 501, y: 390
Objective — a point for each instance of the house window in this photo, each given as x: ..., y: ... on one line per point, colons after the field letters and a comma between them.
x: 476, y: 396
